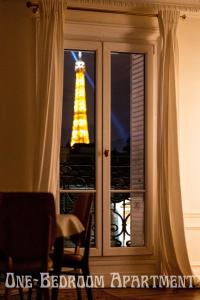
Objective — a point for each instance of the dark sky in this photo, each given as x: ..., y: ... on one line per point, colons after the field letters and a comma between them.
x: 120, y: 96
x: 120, y: 99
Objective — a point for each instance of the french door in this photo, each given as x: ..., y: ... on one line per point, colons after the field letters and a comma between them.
x: 107, y: 84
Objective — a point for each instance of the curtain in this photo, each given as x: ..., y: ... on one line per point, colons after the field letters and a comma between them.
x: 173, y: 251
x: 50, y: 60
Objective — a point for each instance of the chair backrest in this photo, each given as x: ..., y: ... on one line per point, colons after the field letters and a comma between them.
x: 28, y: 224
x: 87, y: 240
x: 82, y: 209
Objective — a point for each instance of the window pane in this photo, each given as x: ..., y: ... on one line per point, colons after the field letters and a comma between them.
x: 127, y: 219
x: 127, y: 121
x: 77, y: 155
x: 127, y: 149
x: 77, y: 159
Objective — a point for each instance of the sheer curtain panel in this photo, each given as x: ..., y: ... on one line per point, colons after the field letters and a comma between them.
x: 50, y: 56
x: 173, y: 251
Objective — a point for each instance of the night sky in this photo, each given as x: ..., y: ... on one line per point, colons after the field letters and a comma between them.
x: 120, y: 99
x: 120, y: 96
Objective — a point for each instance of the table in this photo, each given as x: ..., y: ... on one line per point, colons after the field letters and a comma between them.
x: 68, y: 225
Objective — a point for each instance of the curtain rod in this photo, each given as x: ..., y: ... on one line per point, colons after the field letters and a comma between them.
x: 35, y: 7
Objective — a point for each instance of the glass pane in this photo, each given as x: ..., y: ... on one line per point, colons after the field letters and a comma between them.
x: 77, y: 156
x: 127, y: 149
x: 127, y: 121
x: 127, y: 219
x: 67, y: 201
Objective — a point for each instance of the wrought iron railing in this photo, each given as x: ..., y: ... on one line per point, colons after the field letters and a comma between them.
x: 77, y: 172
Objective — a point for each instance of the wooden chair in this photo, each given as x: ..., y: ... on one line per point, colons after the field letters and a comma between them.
x: 77, y: 260
x: 27, y: 233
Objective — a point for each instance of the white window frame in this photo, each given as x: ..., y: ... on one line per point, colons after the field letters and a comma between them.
x: 97, y: 47
x: 103, y: 220
x: 97, y: 27
x: 148, y: 51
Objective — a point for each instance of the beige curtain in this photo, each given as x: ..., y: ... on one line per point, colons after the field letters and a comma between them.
x: 173, y: 252
x: 50, y: 56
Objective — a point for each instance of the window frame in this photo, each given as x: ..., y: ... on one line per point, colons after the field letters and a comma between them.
x: 103, y: 93
x: 108, y: 47
x: 97, y: 47
x: 142, y: 32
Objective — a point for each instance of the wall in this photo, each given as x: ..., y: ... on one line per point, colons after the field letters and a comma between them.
x: 189, y: 108
x: 17, y: 86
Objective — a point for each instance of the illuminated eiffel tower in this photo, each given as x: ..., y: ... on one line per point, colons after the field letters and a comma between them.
x: 80, y: 132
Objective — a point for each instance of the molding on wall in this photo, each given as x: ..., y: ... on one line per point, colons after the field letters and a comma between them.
x: 192, y: 221
x: 104, y: 267
x: 127, y: 5
x: 196, y: 263
x: 192, y: 215
x: 192, y: 228
x: 196, y: 268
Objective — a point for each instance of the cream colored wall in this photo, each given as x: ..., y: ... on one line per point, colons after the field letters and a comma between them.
x: 189, y: 109
x: 17, y: 86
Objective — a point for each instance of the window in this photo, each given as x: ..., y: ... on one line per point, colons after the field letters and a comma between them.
x: 104, y: 142
x: 127, y: 184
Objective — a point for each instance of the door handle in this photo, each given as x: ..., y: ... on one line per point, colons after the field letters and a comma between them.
x: 106, y: 152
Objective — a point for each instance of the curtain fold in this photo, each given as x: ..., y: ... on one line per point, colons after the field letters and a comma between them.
x: 50, y: 60
x: 173, y: 251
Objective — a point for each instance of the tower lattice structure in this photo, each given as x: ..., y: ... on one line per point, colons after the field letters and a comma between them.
x: 80, y: 132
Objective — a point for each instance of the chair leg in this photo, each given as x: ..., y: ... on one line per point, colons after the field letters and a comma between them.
x: 78, y: 292
x: 21, y: 293
x: 54, y: 294
x: 86, y: 274
x: 45, y: 293
x: 30, y: 294
x: 38, y: 294
x: 57, y: 263
x: 7, y: 294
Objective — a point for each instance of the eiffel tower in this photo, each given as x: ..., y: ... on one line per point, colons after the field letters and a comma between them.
x: 80, y: 132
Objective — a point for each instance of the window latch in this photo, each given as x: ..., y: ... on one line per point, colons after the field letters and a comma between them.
x: 106, y: 152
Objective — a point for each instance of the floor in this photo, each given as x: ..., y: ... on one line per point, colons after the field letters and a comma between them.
x: 130, y: 294
x: 153, y: 294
